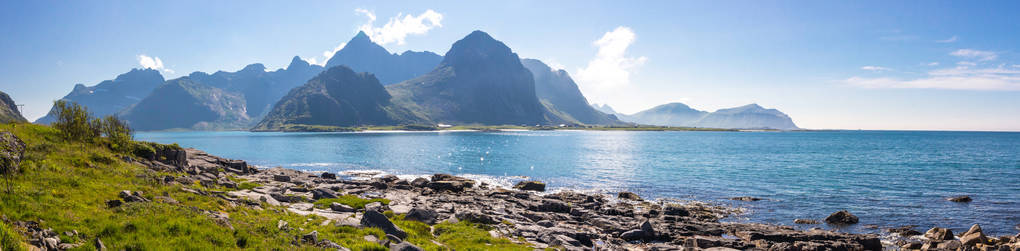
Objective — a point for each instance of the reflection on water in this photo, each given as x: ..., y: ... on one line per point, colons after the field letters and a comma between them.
x: 886, y: 178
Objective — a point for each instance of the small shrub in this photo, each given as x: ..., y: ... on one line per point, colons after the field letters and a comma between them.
x: 117, y: 131
x: 10, y: 240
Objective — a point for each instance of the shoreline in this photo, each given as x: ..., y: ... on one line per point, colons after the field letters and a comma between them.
x: 530, y: 215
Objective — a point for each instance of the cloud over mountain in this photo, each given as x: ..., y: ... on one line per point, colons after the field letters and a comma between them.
x: 398, y: 28
x: 154, y: 63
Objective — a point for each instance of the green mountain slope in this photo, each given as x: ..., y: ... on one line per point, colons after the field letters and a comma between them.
x: 338, y: 97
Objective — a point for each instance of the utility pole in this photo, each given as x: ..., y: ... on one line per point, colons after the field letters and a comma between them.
x: 21, y: 108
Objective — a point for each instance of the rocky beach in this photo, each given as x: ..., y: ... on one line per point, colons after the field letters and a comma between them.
x: 524, y: 214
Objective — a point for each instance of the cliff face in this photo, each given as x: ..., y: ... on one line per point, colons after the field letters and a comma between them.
x: 556, y: 88
x: 9, y: 110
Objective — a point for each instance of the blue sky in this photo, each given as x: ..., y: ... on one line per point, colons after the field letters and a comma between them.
x: 925, y: 65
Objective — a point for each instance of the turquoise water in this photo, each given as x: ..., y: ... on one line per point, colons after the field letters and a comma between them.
x: 887, y: 178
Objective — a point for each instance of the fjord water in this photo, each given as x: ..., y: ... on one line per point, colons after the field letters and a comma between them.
x: 887, y: 178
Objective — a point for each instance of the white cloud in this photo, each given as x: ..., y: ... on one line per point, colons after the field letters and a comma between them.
x: 611, y: 67
x: 948, y: 40
x: 326, y: 55
x: 152, y: 63
x: 966, y: 63
x: 397, y: 28
x: 975, y: 54
x: 874, y: 68
x: 933, y: 64
x: 958, y: 78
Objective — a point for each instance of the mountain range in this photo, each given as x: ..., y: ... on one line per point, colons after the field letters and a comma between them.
x: 9, y: 110
x: 362, y: 55
x: 750, y: 116
x: 479, y: 81
x: 111, y: 96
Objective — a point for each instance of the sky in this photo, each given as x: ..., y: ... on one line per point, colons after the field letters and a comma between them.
x: 886, y: 65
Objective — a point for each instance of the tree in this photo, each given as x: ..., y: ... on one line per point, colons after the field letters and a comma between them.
x: 74, y: 122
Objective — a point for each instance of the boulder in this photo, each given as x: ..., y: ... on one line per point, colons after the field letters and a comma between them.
x: 322, y: 193
x: 393, y: 239
x: 389, y: 178
x: 329, y: 245
x: 745, y: 198
x: 450, y: 185
x: 286, y: 198
x: 328, y: 176
x: 424, y: 215
x: 99, y: 245
x: 633, y: 235
x: 973, y: 236
x: 378, y: 220
x: 374, y: 206
x: 420, y: 182
x: 312, y: 238
x: 127, y: 196
x: 647, y: 228
x: 961, y: 199
x: 676, y: 210
x: 530, y: 186
x: 550, y: 205
x: 546, y: 223
x: 404, y: 246
x: 475, y: 216
x: 949, y: 245
x: 281, y: 178
x: 804, y: 221
x: 842, y: 217
x: 911, y: 246
x: 628, y: 196
x: 341, y: 208
x: 113, y: 203
x: 939, y: 234
x: 12, y: 150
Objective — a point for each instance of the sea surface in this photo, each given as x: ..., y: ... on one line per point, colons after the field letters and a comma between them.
x: 887, y: 178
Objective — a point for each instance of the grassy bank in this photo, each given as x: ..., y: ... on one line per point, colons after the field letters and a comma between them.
x: 64, y: 185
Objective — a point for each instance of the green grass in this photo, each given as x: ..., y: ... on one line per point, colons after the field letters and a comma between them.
x: 10, y: 240
x: 350, y: 200
x: 64, y: 186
